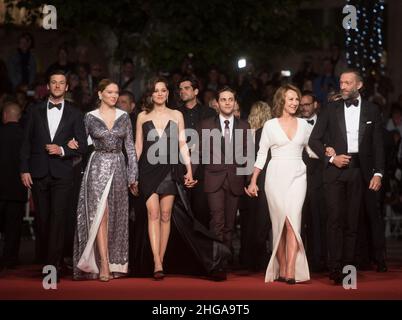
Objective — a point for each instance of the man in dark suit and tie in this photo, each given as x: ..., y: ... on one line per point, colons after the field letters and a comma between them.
x: 47, y: 165
x: 193, y: 113
x: 223, y: 183
x: 352, y: 177
x: 13, y: 195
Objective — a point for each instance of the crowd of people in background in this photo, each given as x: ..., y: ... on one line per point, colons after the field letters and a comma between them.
x: 195, y: 93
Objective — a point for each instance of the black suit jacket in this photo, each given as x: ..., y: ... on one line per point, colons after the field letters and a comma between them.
x: 331, y: 128
x: 11, y: 187
x: 215, y: 173
x: 34, y: 157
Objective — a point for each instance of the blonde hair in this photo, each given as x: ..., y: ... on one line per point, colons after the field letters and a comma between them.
x: 279, y: 99
x: 260, y: 113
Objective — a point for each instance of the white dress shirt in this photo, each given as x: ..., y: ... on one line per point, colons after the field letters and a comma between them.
x: 222, y: 120
x: 53, y: 119
x: 310, y: 127
x: 352, y: 121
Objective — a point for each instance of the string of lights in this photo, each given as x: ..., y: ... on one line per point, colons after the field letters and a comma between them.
x: 364, y: 44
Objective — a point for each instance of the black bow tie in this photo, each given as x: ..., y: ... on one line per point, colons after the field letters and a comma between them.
x: 352, y: 102
x: 311, y: 121
x: 52, y: 105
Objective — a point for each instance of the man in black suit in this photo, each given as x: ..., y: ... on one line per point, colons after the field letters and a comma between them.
x: 223, y: 182
x: 193, y: 113
x: 13, y: 195
x: 314, y: 213
x: 47, y: 165
x: 352, y: 177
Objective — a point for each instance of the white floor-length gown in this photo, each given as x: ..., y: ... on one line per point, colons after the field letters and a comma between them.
x: 285, y: 187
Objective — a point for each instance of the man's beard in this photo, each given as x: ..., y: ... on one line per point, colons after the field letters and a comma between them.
x: 351, y: 95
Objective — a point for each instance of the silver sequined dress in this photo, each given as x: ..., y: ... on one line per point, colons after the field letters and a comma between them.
x: 105, y: 184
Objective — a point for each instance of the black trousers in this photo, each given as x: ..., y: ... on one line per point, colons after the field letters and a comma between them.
x: 52, y: 199
x: 344, y: 199
x: 255, y: 231
x: 372, y: 228
x: 71, y: 218
x: 314, y: 221
x: 11, y: 215
x: 199, y: 203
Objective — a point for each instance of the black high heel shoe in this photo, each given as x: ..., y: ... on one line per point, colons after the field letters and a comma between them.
x: 290, y: 281
x: 280, y: 279
x: 159, y: 275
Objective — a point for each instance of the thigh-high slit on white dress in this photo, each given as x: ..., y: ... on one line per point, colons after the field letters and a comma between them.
x: 285, y: 187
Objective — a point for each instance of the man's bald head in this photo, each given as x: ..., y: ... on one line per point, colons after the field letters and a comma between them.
x: 11, y: 112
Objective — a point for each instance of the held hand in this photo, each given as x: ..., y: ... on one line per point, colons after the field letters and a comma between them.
x: 188, y: 180
x: 252, y: 190
x: 375, y: 183
x: 73, y: 144
x: 26, y: 180
x: 53, y: 149
x: 341, y: 160
x: 330, y: 152
x: 134, y: 189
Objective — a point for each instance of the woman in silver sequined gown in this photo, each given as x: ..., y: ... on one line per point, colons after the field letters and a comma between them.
x: 104, y: 193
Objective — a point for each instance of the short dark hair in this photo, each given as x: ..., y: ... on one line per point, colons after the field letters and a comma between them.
x: 310, y: 94
x: 28, y: 36
x: 128, y: 60
x: 355, y: 72
x: 193, y: 80
x: 225, y: 88
x: 129, y: 94
x: 63, y: 47
x: 395, y: 108
x: 56, y: 72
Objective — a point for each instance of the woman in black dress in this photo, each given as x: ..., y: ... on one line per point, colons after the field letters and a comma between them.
x: 160, y: 139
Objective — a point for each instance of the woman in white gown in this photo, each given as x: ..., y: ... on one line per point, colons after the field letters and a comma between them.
x: 285, y: 185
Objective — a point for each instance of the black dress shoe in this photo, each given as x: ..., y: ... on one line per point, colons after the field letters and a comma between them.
x: 159, y: 275
x: 382, y: 267
x: 336, y: 276
x: 280, y: 279
x: 290, y: 281
x: 218, y: 275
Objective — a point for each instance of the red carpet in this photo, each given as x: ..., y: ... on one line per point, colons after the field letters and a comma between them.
x: 25, y: 283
